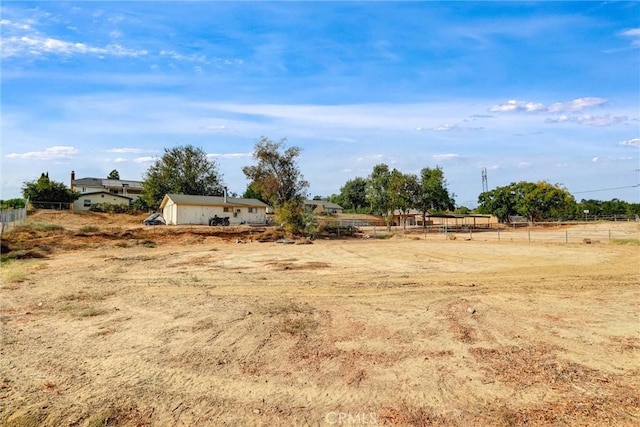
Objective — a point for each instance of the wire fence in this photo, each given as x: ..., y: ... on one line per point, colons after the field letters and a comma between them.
x: 549, y: 236
x: 533, y: 234
x: 12, y: 217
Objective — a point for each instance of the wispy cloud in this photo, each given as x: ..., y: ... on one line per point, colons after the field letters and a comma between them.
x: 445, y: 157
x: 454, y: 127
x: 128, y: 150
x: 572, y: 106
x: 633, y: 142
x: 633, y: 34
x: 51, y: 153
x: 575, y: 105
x: 39, y: 46
x: 604, y: 120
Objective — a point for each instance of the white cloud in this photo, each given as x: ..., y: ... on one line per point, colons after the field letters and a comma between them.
x: 213, y: 128
x: 147, y: 159
x: 514, y: 105
x: 51, y: 153
x: 39, y: 46
x: 524, y: 164
x: 374, y: 157
x: 595, y: 159
x: 558, y: 119
x: 180, y: 57
x: 15, y: 25
x: 120, y: 160
x: 634, y: 142
x: 125, y: 150
x: 633, y: 33
x: 445, y: 157
x: 448, y: 128
x: 576, y: 105
x: 606, y: 120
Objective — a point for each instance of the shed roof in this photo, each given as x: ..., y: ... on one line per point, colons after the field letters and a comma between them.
x: 186, y: 199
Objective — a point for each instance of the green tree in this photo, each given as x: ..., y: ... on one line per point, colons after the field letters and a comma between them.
x: 45, y: 190
x: 403, y: 191
x: 114, y: 174
x: 500, y: 202
x: 433, y: 194
x: 542, y: 200
x: 535, y: 201
x: 378, y: 184
x: 278, y: 179
x: 12, y: 203
x: 251, y: 193
x: 353, y: 195
x: 183, y: 169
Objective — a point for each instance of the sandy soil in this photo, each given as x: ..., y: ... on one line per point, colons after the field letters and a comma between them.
x: 134, y: 326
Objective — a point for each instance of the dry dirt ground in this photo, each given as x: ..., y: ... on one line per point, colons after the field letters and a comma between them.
x: 111, y: 323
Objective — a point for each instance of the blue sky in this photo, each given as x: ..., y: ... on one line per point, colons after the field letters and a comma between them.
x: 529, y: 91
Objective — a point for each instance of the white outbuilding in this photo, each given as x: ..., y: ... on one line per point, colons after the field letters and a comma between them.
x: 182, y: 209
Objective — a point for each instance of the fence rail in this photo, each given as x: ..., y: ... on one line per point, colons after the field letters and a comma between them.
x: 572, y: 235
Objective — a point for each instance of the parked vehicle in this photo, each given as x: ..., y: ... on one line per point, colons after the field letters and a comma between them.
x: 154, y: 219
x: 216, y: 220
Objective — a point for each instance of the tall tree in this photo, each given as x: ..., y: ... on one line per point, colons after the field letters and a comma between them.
x: 45, y: 190
x: 183, y: 169
x: 278, y: 179
x: 378, y: 184
x: 433, y: 194
x: 276, y: 176
x: 403, y: 191
x: 114, y: 174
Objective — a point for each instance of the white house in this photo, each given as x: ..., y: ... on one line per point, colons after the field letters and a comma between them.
x: 178, y: 209
x: 87, y: 199
x: 126, y: 188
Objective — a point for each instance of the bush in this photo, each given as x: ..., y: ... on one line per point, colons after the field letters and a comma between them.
x: 110, y: 208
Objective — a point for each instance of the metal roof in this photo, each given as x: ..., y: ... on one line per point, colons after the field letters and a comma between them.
x: 323, y: 203
x: 186, y: 199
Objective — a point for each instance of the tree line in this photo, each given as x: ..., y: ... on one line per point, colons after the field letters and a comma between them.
x: 543, y: 201
x: 276, y: 179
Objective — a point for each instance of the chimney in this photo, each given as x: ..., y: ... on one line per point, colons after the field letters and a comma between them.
x: 73, y: 178
x: 225, y: 194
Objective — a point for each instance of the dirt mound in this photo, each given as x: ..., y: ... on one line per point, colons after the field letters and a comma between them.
x: 62, y: 231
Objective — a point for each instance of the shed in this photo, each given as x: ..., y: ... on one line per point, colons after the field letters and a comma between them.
x: 182, y: 209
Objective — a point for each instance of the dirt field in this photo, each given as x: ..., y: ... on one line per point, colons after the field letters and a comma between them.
x: 111, y: 323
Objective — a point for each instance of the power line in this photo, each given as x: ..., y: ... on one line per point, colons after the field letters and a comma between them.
x: 605, y: 189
